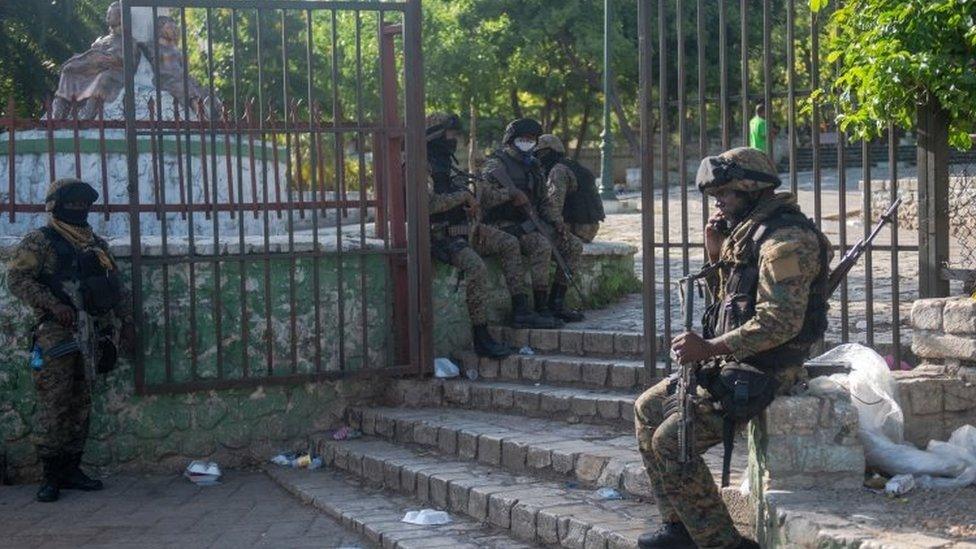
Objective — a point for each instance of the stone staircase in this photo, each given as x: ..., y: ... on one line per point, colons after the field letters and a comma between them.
x: 516, y: 455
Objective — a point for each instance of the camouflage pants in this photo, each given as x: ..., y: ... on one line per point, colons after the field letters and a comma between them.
x: 571, y: 248
x: 538, y: 251
x: 585, y: 231
x: 488, y: 241
x: 63, y: 404
x: 687, y: 494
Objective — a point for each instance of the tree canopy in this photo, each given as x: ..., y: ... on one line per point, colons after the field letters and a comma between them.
x: 893, y: 55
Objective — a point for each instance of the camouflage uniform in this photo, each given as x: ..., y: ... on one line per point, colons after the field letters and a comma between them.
x: 534, y: 245
x: 560, y: 182
x: 789, y: 263
x: 63, y: 383
x: 485, y: 241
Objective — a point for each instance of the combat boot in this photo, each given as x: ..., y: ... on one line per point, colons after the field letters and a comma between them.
x: 49, y: 490
x: 485, y: 345
x: 557, y: 304
x: 541, y: 298
x: 73, y: 478
x: 671, y: 535
x: 524, y: 317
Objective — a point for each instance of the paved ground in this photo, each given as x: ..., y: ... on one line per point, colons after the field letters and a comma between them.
x: 247, y: 510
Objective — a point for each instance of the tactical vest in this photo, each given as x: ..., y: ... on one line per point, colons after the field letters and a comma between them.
x: 585, y: 205
x: 527, y: 179
x: 443, y: 184
x: 739, y: 303
x: 100, y: 288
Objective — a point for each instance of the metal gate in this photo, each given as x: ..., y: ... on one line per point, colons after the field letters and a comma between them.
x: 681, y: 125
x: 273, y: 191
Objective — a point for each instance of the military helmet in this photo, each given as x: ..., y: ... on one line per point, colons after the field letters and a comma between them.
x: 439, y: 122
x: 521, y: 126
x: 740, y: 169
x: 551, y: 142
x: 70, y: 189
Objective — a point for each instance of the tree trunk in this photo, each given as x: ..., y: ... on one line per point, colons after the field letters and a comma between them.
x: 516, y: 106
x: 583, y: 128
x: 474, y: 153
x: 625, y: 128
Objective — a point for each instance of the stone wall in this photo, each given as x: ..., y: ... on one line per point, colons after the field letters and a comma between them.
x: 242, y: 426
x: 962, y: 202
x: 939, y: 395
x: 798, y: 444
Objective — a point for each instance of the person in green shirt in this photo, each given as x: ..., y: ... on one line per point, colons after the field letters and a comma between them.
x: 757, y: 130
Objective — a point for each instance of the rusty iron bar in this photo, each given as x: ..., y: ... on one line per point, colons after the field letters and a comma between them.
x: 315, y: 163
x: 662, y: 16
x: 682, y: 131
x: 340, y: 176
x: 867, y: 223
x: 103, y: 157
x: 50, y: 143
x: 290, y: 117
x: 11, y: 124
x: 895, y: 283
x: 179, y: 160
x: 190, y: 226
x: 151, y: 107
x: 228, y: 163
x: 648, y: 294
x: 76, y: 134
x: 266, y: 263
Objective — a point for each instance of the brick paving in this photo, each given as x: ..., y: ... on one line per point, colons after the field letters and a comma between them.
x: 246, y: 510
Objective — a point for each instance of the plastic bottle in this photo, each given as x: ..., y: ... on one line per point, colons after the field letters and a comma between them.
x: 36, y: 359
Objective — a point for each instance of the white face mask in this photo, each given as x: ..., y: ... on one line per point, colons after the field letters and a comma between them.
x: 524, y: 145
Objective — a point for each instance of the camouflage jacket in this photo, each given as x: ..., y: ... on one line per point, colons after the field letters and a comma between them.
x: 34, y: 257
x: 492, y: 193
x: 560, y: 182
x: 789, y: 262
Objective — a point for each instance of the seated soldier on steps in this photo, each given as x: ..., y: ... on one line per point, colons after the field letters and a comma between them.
x: 459, y: 239
x: 572, y: 205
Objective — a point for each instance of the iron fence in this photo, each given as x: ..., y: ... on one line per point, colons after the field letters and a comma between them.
x: 271, y: 226
x: 837, y: 181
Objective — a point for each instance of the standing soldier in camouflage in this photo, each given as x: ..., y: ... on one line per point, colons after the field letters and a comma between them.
x: 459, y: 239
x: 572, y: 205
x: 769, y: 268
x: 503, y: 209
x: 66, y: 274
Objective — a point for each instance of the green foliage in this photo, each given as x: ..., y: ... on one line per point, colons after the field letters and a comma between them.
x: 35, y: 38
x: 893, y: 55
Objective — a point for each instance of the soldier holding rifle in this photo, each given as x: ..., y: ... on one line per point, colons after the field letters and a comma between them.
x: 768, y: 269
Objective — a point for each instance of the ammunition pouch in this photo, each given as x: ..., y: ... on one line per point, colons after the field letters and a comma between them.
x: 518, y: 230
x: 742, y: 392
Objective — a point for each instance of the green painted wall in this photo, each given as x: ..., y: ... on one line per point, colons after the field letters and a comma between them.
x: 241, y: 426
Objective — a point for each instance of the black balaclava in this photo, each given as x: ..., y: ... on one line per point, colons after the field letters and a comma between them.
x: 73, y: 202
x: 547, y: 159
x: 440, y: 154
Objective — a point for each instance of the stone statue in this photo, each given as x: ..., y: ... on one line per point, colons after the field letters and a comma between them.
x: 95, y: 75
x: 170, y: 67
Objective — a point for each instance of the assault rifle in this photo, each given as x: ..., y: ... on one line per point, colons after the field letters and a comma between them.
x: 687, y: 389
x: 855, y: 253
x: 534, y: 222
x: 687, y: 383
x: 84, y: 330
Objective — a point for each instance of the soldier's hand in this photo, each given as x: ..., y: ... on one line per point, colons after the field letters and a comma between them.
x: 473, y: 210
x: 690, y: 347
x: 64, y: 315
x: 519, y: 199
x: 713, y: 236
x: 561, y: 228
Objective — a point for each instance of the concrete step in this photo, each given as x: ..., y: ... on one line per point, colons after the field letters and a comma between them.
x: 575, y: 342
x: 565, y: 370
x: 592, y: 455
x: 376, y: 513
x: 569, y: 404
x: 533, y: 510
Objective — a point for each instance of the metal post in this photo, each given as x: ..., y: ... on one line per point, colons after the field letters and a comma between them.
x: 606, y: 147
x: 648, y: 294
x: 419, y: 268
x: 933, y: 199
